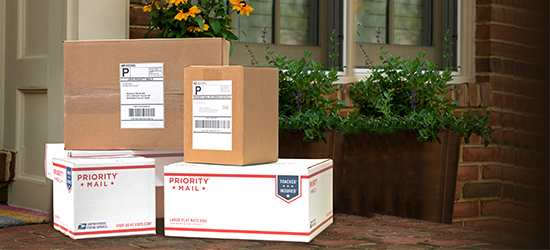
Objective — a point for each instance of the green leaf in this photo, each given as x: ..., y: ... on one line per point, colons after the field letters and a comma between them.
x: 216, y: 27
x: 198, y: 19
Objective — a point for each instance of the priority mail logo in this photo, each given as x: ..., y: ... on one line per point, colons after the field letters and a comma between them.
x: 288, y: 187
x: 69, y: 179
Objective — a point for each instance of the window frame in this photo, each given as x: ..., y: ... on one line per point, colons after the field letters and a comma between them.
x: 465, y: 45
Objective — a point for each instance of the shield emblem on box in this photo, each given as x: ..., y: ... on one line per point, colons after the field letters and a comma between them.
x: 69, y: 180
x: 288, y: 187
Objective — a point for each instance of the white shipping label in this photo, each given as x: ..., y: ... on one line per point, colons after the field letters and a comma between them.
x: 141, y: 95
x: 212, y: 113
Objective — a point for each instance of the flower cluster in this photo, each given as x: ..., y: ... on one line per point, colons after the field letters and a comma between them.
x: 182, y: 19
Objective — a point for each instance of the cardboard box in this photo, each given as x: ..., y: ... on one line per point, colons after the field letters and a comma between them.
x: 290, y: 200
x: 103, y: 197
x: 128, y: 94
x: 231, y: 115
x: 161, y: 157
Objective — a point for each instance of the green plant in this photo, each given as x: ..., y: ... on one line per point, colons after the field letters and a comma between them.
x: 410, y: 94
x: 182, y: 19
x: 306, y: 101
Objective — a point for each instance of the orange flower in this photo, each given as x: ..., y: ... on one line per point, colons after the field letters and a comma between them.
x: 148, y: 8
x: 177, y: 2
x: 198, y: 29
x: 241, y: 7
x: 185, y: 13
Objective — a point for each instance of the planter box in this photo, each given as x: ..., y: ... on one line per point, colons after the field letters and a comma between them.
x: 104, y: 197
x: 128, y: 94
x: 290, y: 200
x: 392, y: 174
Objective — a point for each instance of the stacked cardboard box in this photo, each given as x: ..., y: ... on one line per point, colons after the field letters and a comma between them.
x: 120, y: 104
x: 290, y: 200
x: 101, y: 197
x: 128, y: 94
x: 231, y: 115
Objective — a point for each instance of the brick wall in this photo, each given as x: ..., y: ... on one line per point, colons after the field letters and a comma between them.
x: 504, y: 187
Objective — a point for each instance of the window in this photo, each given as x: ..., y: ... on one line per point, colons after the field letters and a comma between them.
x: 404, y: 26
x: 290, y: 26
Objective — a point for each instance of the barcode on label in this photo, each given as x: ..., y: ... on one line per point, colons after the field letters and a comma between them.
x: 212, y: 124
x: 141, y: 112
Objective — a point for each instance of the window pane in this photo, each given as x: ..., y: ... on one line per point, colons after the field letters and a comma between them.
x: 298, y: 22
x: 371, y: 16
x: 413, y: 22
x: 253, y: 26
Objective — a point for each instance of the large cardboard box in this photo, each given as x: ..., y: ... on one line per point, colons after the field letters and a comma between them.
x: 290, y: 200
x: 102, y: 197
x: 231, y: 115
x: 128, y: 94
x: 161, y: 157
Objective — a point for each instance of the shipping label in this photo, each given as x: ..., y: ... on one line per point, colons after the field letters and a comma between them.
x: 212, y: 115
x: 141, y: 95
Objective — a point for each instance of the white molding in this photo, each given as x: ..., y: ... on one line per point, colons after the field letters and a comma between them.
x: 72, y: 20
x: 466, y: 43
x: 2, y: 68
x: 20, y: 137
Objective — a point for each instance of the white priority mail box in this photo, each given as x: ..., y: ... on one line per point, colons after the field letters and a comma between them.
x: 289, y: 200
x: 162, y: 158
x: 103, y: 197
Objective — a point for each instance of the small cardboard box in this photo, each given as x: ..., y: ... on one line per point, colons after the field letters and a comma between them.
x: 161, y: 157
x: 128, y: 94
x: 290, y: 200
x: 231, y: 115
x: 103, y: 197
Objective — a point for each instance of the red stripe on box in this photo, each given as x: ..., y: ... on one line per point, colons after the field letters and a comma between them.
x: 64, y: 229
x: 249, y: 231
x: 58, y: 165
x: 235, y: 231
x: 320, y: 225
x: 222, y: 175
x: 114, y: 168
x: 153, y: 229
x: 142, y: 155
x: 106, y: 168
x: 320, y: 171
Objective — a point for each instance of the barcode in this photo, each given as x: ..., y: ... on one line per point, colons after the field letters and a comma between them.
x: 141, y: 112
x: 212, y: 124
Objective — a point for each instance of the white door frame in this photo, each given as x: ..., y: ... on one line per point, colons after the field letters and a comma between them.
x: 67, y: 20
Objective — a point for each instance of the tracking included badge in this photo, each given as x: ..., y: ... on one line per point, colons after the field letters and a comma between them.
x: 288, y: 187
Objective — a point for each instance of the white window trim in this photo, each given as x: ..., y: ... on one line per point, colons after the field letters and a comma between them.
x: 465, y: 51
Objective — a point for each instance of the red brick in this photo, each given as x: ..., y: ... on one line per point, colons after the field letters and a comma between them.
x: 509, y: 101
x: 138, y: 17
x: 468, y: 173
x: 487, y: 224
x: 492, y: 172
x: 474, y: 94
x: 458, y: 192
x: 479, y: 154
x: 491, y: 207
x: 485, y: 93
x: 481, y: 190
x: 466, y: 209
x: 497, y: 100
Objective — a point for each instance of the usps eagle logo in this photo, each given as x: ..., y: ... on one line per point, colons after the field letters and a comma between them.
x: 288, y: 187
x: 69, y: 179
